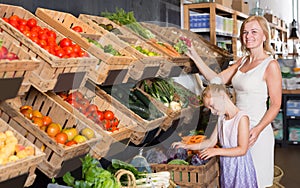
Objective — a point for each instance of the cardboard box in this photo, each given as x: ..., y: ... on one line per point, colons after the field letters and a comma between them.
x: 241, y: 6
x: 226, y: 3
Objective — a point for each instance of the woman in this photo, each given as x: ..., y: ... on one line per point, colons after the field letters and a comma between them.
x: 236, y: 166
x: 255, y: 77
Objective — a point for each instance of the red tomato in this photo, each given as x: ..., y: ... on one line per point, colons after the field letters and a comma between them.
x: 31, y: 22
x: 27, y: 33
x: 42, y: 43
x: 61, y: 138
x: 83, y: 54
x: 76, y: 48
x: 65, y: 42
x: 21, y: 28
x: 100, y: 115
x: 73, y: 54
x: 60, y: 53
x: 115, y: 122
x: 14, y: 23
x: 22, y: 21
x: 108, y: 115
x: 34, y: 33
x: 77, y: 29
x: 68, y: 49
x: 51, y: 33
x: 71, y: 142
x: 106, y: 124
x: 43, y: 36
x: 35, y: 39
x: 6, y: 20
x: 92, y: 107
x: 36, y: 28
x: 14, y: 17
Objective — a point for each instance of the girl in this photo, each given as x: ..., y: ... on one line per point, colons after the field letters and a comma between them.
x: 236, y: 166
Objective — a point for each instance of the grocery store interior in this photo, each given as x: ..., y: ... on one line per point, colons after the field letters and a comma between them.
x: 114, y: 79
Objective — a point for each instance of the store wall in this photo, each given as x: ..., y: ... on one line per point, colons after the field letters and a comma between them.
x: 144, y: 10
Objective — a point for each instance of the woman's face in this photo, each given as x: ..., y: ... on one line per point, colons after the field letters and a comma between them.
x: 253, y: 35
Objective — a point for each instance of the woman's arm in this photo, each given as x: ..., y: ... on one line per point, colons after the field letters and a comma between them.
x: 210, y: 142
x: 242, y: 147
x: 274, y: 81
x: 208, y: 73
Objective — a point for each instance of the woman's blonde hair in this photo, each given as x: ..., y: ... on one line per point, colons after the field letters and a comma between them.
x: 264, y: 24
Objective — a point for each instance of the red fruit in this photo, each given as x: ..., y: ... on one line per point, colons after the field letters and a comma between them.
x: 92, y: 107
x: 65, y: 42
x: 100, y: 115
x: 31, y: 22
x: 109, y: 115
x: 70, y: 143
x: 115, y: 122
x: 11, y: 56
x: 3, y: 52
x: 77, y: 29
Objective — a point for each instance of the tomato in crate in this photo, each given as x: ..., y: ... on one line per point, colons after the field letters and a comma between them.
x: 59, y: 69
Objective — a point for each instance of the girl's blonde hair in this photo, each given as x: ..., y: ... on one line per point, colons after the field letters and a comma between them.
x: 213, y: 89
x: 264, y: 24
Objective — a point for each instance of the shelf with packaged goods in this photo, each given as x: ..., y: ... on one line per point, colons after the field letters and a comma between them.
x: 290, y: 121
x: 214, y: 10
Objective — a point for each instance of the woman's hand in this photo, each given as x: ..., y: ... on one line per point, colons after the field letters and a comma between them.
x: 208, y: 153
x: 254, y: 133
x: 192, y: 53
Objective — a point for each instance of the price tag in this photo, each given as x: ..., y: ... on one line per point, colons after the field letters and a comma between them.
x: 9, y: 87
x: 176, y: 71
x: 69, y: 81
x: 115, y: 77
x: 149, y: 72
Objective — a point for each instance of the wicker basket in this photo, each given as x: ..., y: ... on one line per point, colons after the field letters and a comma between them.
x: 278, y: 173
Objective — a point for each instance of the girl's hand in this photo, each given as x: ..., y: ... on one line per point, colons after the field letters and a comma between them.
x: 208, y: 153
x: 179, y: 145
x: 254, y: 133
x: 192, y: 52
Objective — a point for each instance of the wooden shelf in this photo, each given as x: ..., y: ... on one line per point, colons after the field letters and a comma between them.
x: 296, y: 91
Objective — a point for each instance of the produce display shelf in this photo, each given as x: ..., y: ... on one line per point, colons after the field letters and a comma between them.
x: 17, y: 68
x: 52, y: 68
x: 208, y: 52
x: 184, y: 114
x: 143, y: 124
x: 125, y: 128
x: 57, y: 155
x: 20, y: 167
x: 166, y: 65
x: 109, y: 65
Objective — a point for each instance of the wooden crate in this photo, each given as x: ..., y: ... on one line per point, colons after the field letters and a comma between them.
x: 57, y: 155
x: 63, y: 22
x: 192, y: 176
x: 52, y: 68
x: 185, y: 114
x: 21, y: 166
x: 20, y: 68
x: 170, y: 67
x: 143, y: 125
x: 126, y: 126
x: 215, y: 57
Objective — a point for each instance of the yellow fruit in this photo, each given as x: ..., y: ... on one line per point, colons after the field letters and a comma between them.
x: 79, y: 138
x: 88, y: 133
x: 71, y: 132
x: 36, y: 113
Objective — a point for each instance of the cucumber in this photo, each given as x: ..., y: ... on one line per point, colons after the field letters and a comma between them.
x: 141, y: 97
x: 142, y: 112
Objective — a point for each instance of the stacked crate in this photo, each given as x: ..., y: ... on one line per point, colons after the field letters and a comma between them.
x: 53, y: 73
x: 59, y: 158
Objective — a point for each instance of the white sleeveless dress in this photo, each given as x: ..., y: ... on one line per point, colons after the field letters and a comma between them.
x: 251, y: 97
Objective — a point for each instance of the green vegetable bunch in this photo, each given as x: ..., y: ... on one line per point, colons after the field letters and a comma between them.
x: 107, y: 48
x: 121, y: 17
x: 183, y: 44
x: 93, y: 176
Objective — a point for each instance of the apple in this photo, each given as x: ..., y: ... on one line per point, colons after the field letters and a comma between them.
x: 3, y: 52
x: 11, y: 56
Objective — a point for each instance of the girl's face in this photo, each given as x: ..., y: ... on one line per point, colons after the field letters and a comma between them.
x: 253, y: 35
x: 215, y: 104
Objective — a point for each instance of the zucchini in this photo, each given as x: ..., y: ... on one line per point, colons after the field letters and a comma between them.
x: 141, y: 97
x: 142, y: 112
